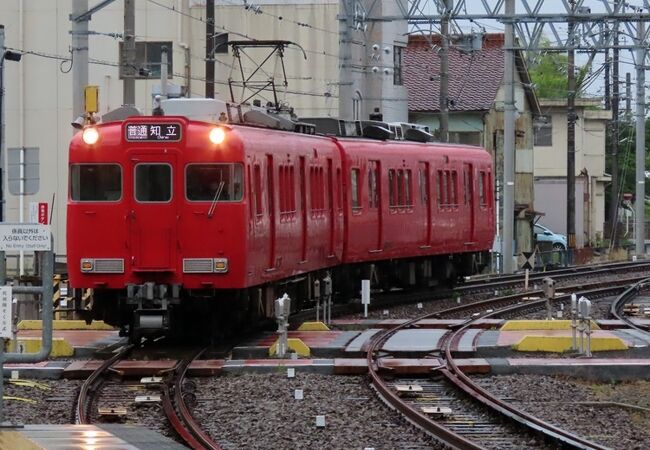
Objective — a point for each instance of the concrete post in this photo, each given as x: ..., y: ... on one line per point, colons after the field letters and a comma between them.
x: 79, y: 57
x: 508, y: 143
x: 640, y: 141
x: 128, y: 68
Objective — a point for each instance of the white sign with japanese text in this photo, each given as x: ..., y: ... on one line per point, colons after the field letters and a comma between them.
x: 26, y: 237
x: 5, y: 312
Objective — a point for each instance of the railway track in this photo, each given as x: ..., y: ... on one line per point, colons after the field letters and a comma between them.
x: 90, y: 386
x: 177, y: 410
x: 449, y: 374
x: 174, y: 395
x: 472, y: 287
x: 627, y: 297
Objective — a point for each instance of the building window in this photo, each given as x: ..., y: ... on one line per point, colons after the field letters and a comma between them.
x: 397, y: 66
x: 465, y: 137
x: 543, y: 131
x: 148, y: 59
x: 356, y: 106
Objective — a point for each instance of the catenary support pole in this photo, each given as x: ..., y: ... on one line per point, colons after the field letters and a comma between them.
x: 209, y: 49
x: 640, y: 141
x: 614, y: 129
x: 79, y: 57
x: 508, y: 144
x: 444, y: 73
x: 571, y: 139
x: 128, y: 68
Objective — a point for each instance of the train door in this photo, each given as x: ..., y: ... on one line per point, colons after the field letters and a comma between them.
x: 271, y: 205
x: 424, y: 182
x: 375, y: 216
x: 303, y: 207
x: 153, y: 213
x: 330, y: 207
x: 469, y: 200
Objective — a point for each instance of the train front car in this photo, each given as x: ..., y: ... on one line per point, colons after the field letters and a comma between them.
x: 155, y: 206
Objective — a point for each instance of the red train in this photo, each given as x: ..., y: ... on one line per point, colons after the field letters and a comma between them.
x: 172, y: 219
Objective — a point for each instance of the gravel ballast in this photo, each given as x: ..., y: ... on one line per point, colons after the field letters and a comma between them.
x: 259, y: 411
x: 614, y: 415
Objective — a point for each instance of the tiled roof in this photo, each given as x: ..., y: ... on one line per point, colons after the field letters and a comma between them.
x: 474, y: 78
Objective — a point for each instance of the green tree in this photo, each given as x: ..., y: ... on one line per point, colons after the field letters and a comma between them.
x: 548, y: 72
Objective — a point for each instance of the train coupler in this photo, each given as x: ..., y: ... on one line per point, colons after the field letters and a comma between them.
x: 152, y: 307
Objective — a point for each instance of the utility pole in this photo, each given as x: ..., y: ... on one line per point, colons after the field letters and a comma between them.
x: 209, y: 49
x: 628, y: 95
x: 640, y: 140
x: 608, y: 96
x: 79, y: 55
x: 444, y: 72
x: 613, y: 199
x: 129, y: 69
x: 509, y: 142
x: 571, y: 138
x: 346, y: 86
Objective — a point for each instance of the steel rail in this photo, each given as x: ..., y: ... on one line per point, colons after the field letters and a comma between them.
x: 616, y: 309
x: 451, y: 371
x: 178, y: 413
x: 89, y: 386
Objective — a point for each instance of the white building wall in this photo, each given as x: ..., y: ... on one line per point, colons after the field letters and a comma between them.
x: 551, y: 164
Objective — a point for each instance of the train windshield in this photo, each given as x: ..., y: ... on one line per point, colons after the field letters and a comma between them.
x: 204, y: 181
x: 153, y: 182
x: 95, y: 182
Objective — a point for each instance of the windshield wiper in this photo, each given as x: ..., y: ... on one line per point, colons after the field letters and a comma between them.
x: 217, y: 194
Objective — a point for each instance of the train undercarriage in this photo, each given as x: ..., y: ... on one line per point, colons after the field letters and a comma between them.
x: 152, y: 309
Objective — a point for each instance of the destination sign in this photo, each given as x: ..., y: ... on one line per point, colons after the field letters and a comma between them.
x: 153, y: 132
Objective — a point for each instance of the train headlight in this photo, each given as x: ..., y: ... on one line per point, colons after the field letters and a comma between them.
x: 217, y: 135
x: 90, y: 135
x: 221, y: 265
x: 87, y: 265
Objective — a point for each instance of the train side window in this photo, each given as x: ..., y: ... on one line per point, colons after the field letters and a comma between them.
x: 444, y: 187
x: 339, y: 184
x: 257, y: 174
x: 408, y: 190
x: 400, y: 187
x: 153, y: 182
x: 465, y: 186
x: 454, y: 188
x: 95, y: 182
x: 440, y: 188
x: 281, y: 187
x: 355, y: 188
x: 422, y: 181
x: 373, y: 192
x: 392, y: 191
x: 317, y: 188
x: 204, y: 181
x: 292, y: 189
